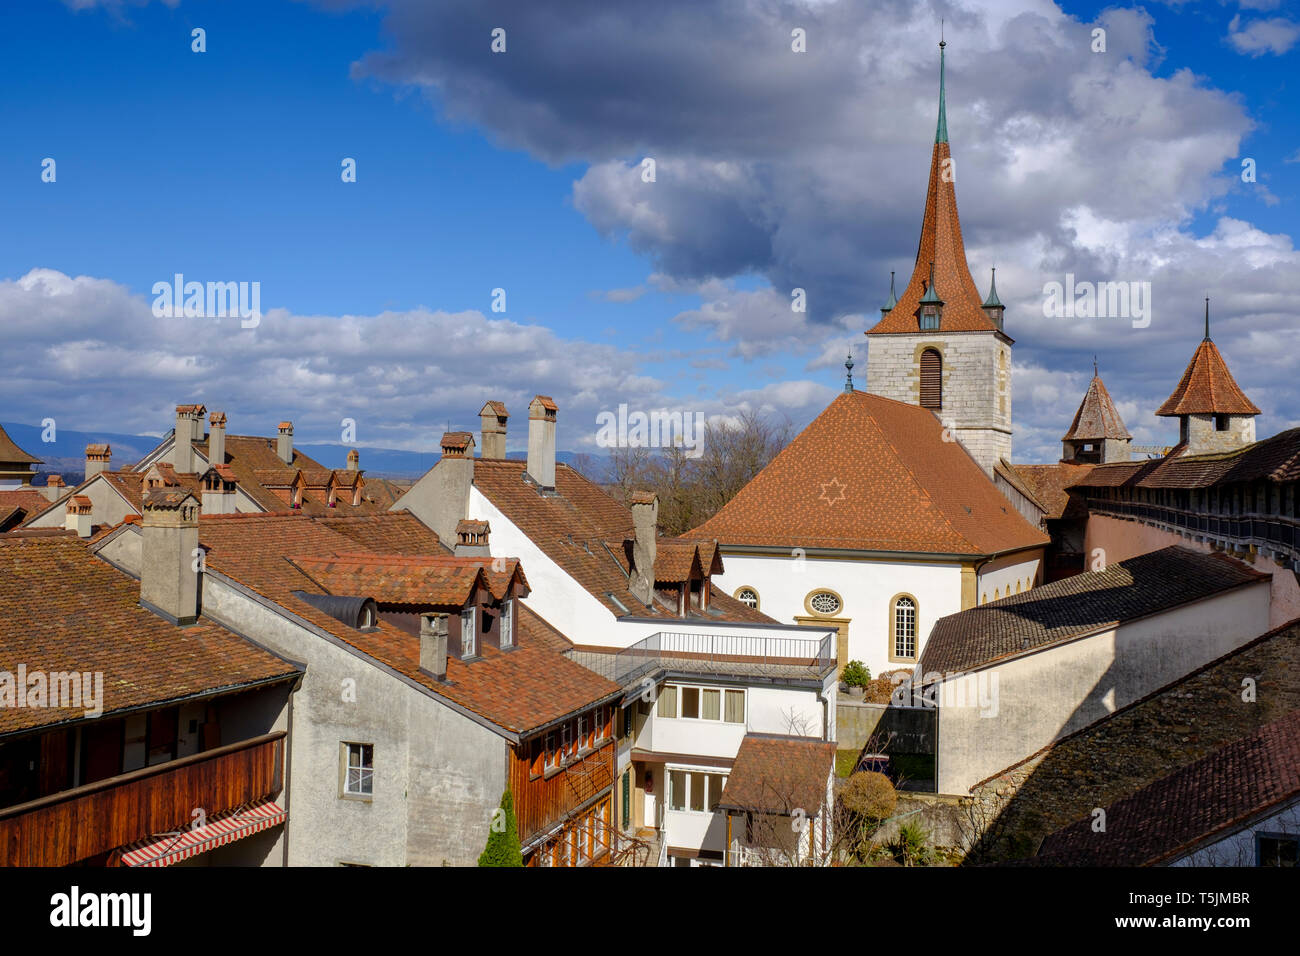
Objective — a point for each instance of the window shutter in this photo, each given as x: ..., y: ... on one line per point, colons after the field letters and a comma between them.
x: 931, y: 379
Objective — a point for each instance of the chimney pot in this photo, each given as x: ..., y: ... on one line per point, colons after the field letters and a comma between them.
x: 188, y: 419
x: 217, y: 438
x: 645, y: 517
x: 433, y: 645
x: 457, y: 445
x: 97, y: 459
x: 78, y: 515
x: 472, y: 539
x: 493, y: 416
x: 541, y: 441
x: 169, y: 576
x: 284, y: 443
x: 354, y: 461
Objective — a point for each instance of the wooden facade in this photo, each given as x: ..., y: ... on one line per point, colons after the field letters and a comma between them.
x: 88, y: 822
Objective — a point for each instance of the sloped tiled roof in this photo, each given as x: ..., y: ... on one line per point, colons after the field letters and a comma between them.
x: 1210, y: 797
x: 873, y: 474
x: 779, y: 774
x: 519, y: 690
x: 1274, y: 459
x: 63, y: 609
x: 375, y: 532
x: 1048, y: 483
x: 10, y: 453
x: 941, y: 244
x: 1097, y: 417
x: 1207, y: 387
x: 581, y: 529
x: 1079, y: 605
x: 412, y: 579
x: 29, y: 500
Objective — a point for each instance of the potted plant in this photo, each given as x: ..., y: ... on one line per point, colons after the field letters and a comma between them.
x: 855, y: 676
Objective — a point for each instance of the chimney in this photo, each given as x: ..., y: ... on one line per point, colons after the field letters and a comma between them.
x: 493, y: 416
x: 645, y: 517
x: 77, y: 516
x: 433, y: 645
x: 472, y: 539
x: 354, y: 461
x: 54, y: 487
x: 219, y: 491
x: 541, y: 442
x: 217, y: 439
x: 452, y: 477
x: 188, y: 422
x: 284, y: 443
x: 97, y: 459
x: 169, y: 577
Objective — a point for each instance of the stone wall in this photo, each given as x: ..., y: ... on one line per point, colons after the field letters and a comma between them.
x: 976, y: 384
x: 907, y: 729
x: 1204, y: 438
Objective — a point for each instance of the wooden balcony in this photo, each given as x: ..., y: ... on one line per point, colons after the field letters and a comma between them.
x: 89, y: 821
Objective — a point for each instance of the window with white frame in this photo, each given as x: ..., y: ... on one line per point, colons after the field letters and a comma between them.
x: 468, y: 632
x: 695, y: 791
x: 748, y: 597
x: 904, y: 612
x: 507, y: 638
x: 359, y: 770
x: 722, y: 704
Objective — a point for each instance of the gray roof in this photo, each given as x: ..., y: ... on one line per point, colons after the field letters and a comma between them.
x: 1079, y: 605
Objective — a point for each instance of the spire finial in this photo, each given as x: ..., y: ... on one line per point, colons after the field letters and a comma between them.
x: 848, y: 364
x: 941, y: 132
x: 1207, y: 318
x: 893, y: 298
x: 1094, y: 366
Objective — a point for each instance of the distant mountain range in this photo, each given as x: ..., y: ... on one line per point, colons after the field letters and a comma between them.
x: 67, y: 454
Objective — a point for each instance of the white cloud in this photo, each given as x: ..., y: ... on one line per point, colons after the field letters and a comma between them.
x: 1275, y: 35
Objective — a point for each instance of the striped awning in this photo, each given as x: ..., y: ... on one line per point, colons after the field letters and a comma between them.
x: 164, y: 849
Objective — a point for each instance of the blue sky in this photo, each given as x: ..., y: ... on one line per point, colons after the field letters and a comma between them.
x: 520, y: 171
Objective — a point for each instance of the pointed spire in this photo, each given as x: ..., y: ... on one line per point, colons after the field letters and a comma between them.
x: 1207, y: 318
x: 848, y: 364
x: 893, y: 298
x: 941, y: 131
x: 993, y: 302
x: 931, y: 293
x: 1095, y: 373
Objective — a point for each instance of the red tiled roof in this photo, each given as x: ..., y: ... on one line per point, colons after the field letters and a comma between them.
x: 779, y: 774
x: 1275, y: 459
x: 1211, y: 797
x: 412, y: 579
x: 28, y: 499
x: 519, y: 690
x: 63, y: 609
x: 1207, y: 387
x: 10, y: 453
x: 581, y: 529
x: 941, y: 244
x: 1097, y: 417
x: 1048, y: 483
x: 873, y: 474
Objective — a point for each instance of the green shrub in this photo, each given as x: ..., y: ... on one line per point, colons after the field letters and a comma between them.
x: 502, y: 847
x: 912, y: 845
x: 856, y: 674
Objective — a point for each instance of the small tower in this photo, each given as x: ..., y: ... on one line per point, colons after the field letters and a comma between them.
x: 1097, y: 435
x: 993, y: 306
x: 848, y: 379
x: 929, y: 311
x: 1213, y: 413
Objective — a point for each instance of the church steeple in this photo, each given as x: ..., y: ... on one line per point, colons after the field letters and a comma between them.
x: 941, y: 131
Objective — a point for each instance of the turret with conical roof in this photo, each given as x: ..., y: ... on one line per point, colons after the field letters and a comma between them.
x: 1097, y: 435
x: 1213, y: 412
x: 992, y: 305
x: 941, y: 344
x: 16, y: 466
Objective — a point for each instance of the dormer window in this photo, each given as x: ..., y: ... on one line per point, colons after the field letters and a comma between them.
x: 929, y: 318
x: 468, y: 633
x: 507, y: 639
x: 930, y: 310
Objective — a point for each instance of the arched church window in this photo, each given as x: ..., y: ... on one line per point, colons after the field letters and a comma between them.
x: 902, y: 628
x: 931, y: 379
x: 747, y: 596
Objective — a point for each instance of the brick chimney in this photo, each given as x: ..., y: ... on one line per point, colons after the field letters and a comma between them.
x: 169, y: 580
x: 472, y: 539
x: 217, y: 438
x: 54, y: 487
x: 493, y: 416
x: 97, y: 459
x: 284, y: 443
x: 189, y: 423
x: 77, y: 515
x: 541, y: 441
x: 433, y: 645
x: 645, y: 518
x: 354, y: 461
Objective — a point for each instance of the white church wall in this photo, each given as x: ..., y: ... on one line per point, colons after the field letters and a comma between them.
x: 1008, y: 575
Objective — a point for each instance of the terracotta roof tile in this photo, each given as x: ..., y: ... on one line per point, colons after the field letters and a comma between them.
x: 1097, y: 417
x: 1211, y: 796
x: 1078, y: 605
x: 873, y: 474
x: 63, y: 609
x: 10, y: 453
x: 1273, y: 459
x: 1048, y: 484
x: 413, y: 579
x: 779, y: 774
x: 1207, y: 387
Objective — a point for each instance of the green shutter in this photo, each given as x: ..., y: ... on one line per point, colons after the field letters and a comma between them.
x: 627, y: 799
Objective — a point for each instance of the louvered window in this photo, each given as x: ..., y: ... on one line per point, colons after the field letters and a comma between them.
x: 931, y: 379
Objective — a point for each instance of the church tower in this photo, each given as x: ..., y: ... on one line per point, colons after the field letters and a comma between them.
x: 939, y: 344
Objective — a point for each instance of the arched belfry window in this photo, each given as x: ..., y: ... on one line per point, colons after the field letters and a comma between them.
x: 902, y: 628
x: 931, y: 379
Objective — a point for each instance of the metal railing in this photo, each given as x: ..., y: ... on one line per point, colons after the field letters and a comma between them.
x: 802, y: 657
